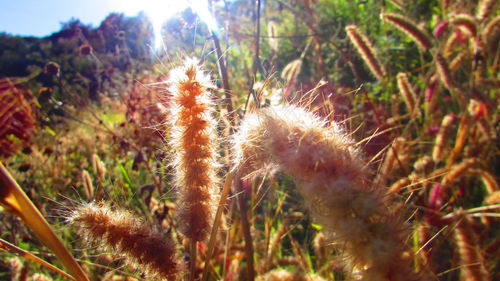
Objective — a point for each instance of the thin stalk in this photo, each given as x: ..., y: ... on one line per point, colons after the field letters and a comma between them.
x: 245, y: 225
x: 225, y: 80
x: 218, y: 215
x: 192, y: 264
x: 29, y: 256
x: 256, y: 61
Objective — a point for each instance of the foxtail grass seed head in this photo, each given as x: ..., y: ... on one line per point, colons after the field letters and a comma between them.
x: 424, y: 236
x: 423, y: 164
x: 410, y: 28
x: 193, y: 138
x: 275, y: 243
x: 40, y: 277
x: 493, y: 198
x: 88, y: 187
x: 430, y: 91
x: 459, y: 170
x: 292, y: 70
x: 465, y: 22
x: 320, y: 246
x: 460, y: 140
x: 332, y: 177
x: 492, y: 26
x: 366, y: 50
x: 450, y: 42
x: 444, y: 71
x: 472, y: 261
x: 442, y: 137
x: 457, y: 61
x: 395, y: 153
x: 124, y: 234
x: 98, y: 167
x: 396, y: 187
x: 272, y: 33
x: 283, y: 275
x: 484, y: 9
x: 15, y: 267
x: 406, y: 90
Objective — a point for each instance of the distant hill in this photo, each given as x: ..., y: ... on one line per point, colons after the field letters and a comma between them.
x: 119, y: 42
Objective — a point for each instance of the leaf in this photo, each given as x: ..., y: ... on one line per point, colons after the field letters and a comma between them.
x: 317, y: 226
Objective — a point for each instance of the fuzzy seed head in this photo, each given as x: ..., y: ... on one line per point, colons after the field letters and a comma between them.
x: 88, y: 187
x: 366, y: 50
x: 407, y: 92
x: 442, y: 136
x: 458, y: 170
x: 193, y: 138
x: 465, y: 22
x: 444, y: 71
x: 40, y: 277
x: 332, y: 177
x: 473, y: 264
x: 484, y: 9
x: 283, y: 275
x: 491, y: 33
x: 457, y: 61
x: 410, y: 28
x: 493, y: 198
x: 130, y: 237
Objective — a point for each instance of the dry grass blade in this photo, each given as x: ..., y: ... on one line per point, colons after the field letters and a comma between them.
x: 15, y: 200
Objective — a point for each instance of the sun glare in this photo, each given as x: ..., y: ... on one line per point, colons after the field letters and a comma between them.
x: 158, y: 11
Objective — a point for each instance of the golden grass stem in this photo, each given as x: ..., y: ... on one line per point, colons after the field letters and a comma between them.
x: 213, y: 235
x: 16, y: 201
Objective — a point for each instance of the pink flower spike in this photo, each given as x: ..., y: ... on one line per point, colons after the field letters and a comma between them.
x: 440, y: 28
x: 435, y: 200
x: 430, y: 91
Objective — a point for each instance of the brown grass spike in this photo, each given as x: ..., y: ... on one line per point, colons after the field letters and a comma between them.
x: 332, y: 177
x: 193, y: 138
x: 473, y: 264
x: 131, y: 237
x: 409, y: 27
x: 365, y: 48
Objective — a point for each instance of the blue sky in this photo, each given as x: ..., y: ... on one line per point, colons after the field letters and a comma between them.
x: 43, y: 17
